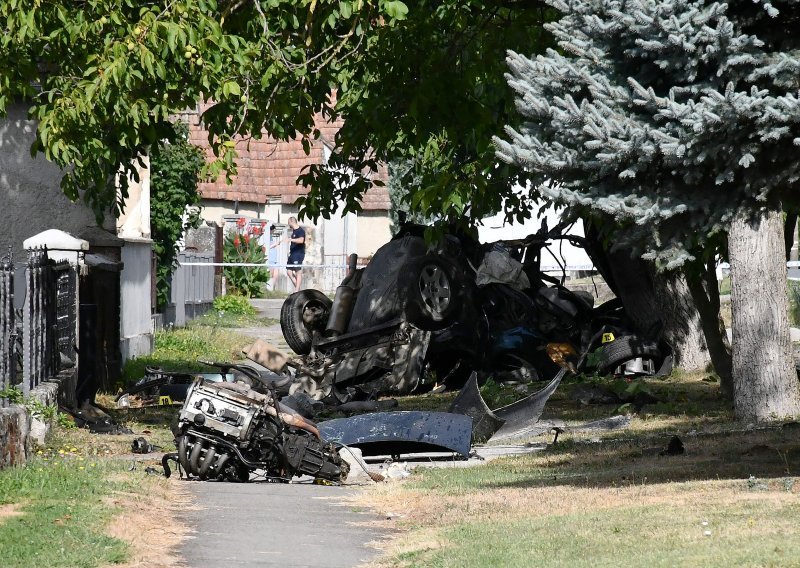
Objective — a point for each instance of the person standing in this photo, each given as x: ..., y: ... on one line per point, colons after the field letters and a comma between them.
x: 297, y: 253
x: 272, y: 259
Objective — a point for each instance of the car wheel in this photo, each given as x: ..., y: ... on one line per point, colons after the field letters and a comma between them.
x: 624, y: 349
x: 302, y: 314
x: 431, y: 289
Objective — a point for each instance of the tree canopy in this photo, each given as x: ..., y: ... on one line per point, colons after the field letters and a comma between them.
x: 677, y: 119
x: 669, y: 116
x: 429, y: 94
x: 418, y: 82
x: 104, y: 76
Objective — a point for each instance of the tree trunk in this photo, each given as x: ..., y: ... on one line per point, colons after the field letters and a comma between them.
x: 631, y: 281
x: 705, y: 292
x: 683, y: 328
x: 659, y: 305
x: 764, y: 377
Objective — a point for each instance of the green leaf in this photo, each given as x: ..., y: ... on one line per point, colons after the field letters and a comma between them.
x: 172, y: 37
x: 231, y: 88
x: 396, y: 9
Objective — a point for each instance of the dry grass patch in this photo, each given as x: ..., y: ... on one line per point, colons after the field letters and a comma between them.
x: 150, y: 524
x: 612, y: 498
x: 510, y: 504
x: 10, y: 510
x: 658, y: 524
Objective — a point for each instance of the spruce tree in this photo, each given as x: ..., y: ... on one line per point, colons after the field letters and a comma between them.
x: 681, y: 120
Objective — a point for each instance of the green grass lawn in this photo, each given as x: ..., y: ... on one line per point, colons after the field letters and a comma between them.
x: 59, y: 515
x: 181, y: 349
x: 610, y: 499
x: 55, y: 510
x: 80, y: 502
x: 216, y: 318
x: 592, y: 499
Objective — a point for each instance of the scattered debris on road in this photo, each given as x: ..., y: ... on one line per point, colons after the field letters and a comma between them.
x: 404, y: 432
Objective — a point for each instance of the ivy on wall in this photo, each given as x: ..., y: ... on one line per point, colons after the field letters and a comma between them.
x: 174, y: 201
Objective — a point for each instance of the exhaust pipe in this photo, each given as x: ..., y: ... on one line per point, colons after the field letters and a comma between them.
x: 183, y: 454
x: 222, y: 459
x: 194, y: 458
x: 209, y: 458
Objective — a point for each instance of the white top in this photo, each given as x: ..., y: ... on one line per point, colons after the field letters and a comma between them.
x: 55, y: 239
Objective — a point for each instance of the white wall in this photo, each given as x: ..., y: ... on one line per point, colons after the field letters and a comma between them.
x: 217, y: 209
x: 495, y: 229
x: 136, y: 323
x: 134, y: 222
x: 374, y: 230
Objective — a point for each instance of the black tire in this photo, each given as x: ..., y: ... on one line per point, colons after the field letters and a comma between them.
x: 624, y: 349
x: 431, y: 289
x: 302, y: 314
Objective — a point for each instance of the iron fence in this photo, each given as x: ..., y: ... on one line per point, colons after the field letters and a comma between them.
x: 37, y: 338
x: 66, y: 283
x: 49, y: 317
x: 8, y: 332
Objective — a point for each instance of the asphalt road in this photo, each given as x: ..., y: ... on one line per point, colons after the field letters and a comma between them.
x: 268, y: 524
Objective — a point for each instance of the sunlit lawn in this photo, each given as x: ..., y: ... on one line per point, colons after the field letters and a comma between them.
x: 612, y: 499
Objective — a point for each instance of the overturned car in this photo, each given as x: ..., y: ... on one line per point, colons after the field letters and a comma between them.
x: 419, y: 315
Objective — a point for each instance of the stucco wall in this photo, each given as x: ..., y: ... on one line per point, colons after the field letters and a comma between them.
x: 134, y: 221
x: 31, y: 198
x: 374, y: 230
x: 215, y: 210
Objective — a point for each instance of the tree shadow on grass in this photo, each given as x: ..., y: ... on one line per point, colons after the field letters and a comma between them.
x: 732, y: 454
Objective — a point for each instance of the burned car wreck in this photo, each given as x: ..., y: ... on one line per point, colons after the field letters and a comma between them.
x: 416, y: 316
x: 419, y: 315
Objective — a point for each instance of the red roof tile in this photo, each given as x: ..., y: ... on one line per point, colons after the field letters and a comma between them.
x: 269, y: 168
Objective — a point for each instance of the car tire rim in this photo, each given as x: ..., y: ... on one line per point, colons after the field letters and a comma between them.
x: 434, y: 288
x: 312, y: 311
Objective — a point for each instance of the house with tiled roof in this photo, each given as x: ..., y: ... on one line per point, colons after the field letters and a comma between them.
x: 265, y: 188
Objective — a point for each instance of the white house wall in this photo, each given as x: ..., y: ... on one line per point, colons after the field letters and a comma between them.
x: 133, y: 226
x: 495, y: 229
x: 215, y: 211
x: 374, y: 230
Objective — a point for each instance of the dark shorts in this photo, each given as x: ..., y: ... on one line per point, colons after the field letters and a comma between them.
x: 296, y: 260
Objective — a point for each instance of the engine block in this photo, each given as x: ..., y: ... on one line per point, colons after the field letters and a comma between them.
x: 230, y: 410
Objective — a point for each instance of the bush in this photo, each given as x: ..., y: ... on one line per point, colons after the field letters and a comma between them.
x: 241, y: 245
x: 233, y: 304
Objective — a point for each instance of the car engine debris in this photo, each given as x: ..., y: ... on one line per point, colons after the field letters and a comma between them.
x: 228, y: 431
